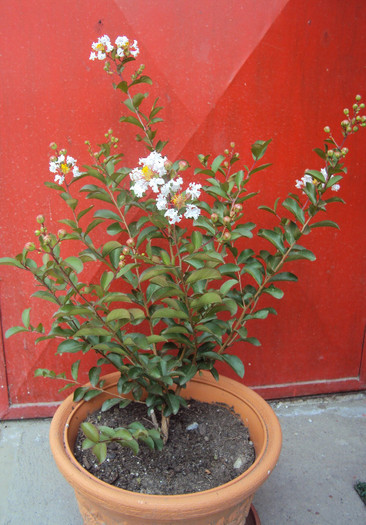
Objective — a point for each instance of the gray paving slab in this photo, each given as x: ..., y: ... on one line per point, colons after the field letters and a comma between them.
x: 324, y: 453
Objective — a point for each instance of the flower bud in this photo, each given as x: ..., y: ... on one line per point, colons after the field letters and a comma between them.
x: 227, y: 236
x: 355, y: 128
x: 214, y: 217
x: 130, y: 242
x: 61, y: 233
x: 40, y: 219
x: 330, y: 153
x: 182, y: 165
x: 346, y: 111
x: 37, y: 233
x: 344, y: 123
x: 53, y: 145
x: 226, y: 152
x: 327, y: 129
x: 168, y: 165
x: 238, y: 207
x: 358, y: 97
x: 29, y: 246
x: 232, y: 144
x: 125, y: 251
x: 226, y: 220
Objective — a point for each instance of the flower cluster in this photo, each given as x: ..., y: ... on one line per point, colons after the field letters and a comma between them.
x: 308, y: 178
x: 62, y: 165
x: 123, y: 48
x: 170, y: 197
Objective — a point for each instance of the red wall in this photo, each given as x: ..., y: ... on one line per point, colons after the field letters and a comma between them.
x: 225, y: 71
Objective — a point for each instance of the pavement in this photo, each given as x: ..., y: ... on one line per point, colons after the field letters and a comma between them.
x: 323, y: 455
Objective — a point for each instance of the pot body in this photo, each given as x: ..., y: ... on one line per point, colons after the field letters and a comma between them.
x: 228, y: 504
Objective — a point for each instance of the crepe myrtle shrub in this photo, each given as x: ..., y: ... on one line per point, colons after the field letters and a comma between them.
x: 176, y: 290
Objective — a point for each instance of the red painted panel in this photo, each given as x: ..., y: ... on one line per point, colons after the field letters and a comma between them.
x: 224, y: 71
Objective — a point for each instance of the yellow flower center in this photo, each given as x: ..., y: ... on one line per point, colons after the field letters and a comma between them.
x: 64, y: 168
x: 148, y: 173
x: 100, y: 46
x: 179, y: 200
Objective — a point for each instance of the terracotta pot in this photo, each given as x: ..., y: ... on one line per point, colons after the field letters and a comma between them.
x: 228, y: 504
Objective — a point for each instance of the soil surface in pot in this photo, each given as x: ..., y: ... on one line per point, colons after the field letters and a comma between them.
x: 208, y: 446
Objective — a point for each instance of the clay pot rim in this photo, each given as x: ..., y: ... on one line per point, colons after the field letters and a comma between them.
x: 235, y: 490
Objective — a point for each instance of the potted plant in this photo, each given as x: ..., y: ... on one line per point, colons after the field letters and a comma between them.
x: 175, y: 292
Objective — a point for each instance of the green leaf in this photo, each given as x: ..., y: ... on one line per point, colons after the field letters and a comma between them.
x: 75, y: 370
x: 90, y: 431
x: 94, y: 374
x: 100, y: 451
x: 70, y: 346
x: 169, y: 313
x: 258, y: 149
x: 284, y: 276
x: 292, y: 206
x: 14, y: 330
x: 9, y: 261
x: 275, y: 292
x: 235, y: 363
x: 203, y: 274
x: 205, y: 300
x: 324, y: 223
x: 91, y: 331
x: 227, y: 286
x: 217, y: 162
x: 118, y: 313
x: 107, y: 214
x: 74, y: 263
x: 110, y: 247
x: 26, y: 317
x: 47, y: 296
x: 273, y: 237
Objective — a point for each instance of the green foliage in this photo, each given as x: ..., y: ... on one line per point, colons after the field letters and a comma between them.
x: 169, y: 297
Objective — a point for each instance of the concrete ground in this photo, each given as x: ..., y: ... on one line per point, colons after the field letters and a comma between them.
x: 324, y: 454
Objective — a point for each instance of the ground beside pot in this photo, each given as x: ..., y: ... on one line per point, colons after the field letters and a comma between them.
x: 228, y: 504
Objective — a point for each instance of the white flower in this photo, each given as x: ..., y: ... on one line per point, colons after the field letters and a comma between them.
x: 155, y: 161
x: 140, y: 187
x: 53, y: 167
x: 150, y: 175
x: 60, y: 179
x: 125, y: 48
x: 62, y: 166
x: 101, y: 47
x: 335, y: 187
x: 324, y: 172
x: 173, y: 216
x: 302, y: 182
x: 155, y: 183
x: 70, y: 160
x: 193, y: 190
x: 161, y: 202
x: 192, y: 212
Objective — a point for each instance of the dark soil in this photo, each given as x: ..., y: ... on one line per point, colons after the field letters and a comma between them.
x: 216, y: 450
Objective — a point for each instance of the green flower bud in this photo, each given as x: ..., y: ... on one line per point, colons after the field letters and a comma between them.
x: 358, y: 97
x: 130, y: 242
x: 53, y: 145
x: 226, y: 220
x: 227, y: 236
x: 226, y: 152
x: 214, y: 217
x: 346, y: 111
x: 125, y: 251
x: 40, y: 219
x: 183, y: 165
x: 327, y: 129
x: 29, y: 246
x: 61, y: 233
x: 232, y: 144
x: 355, y: 128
